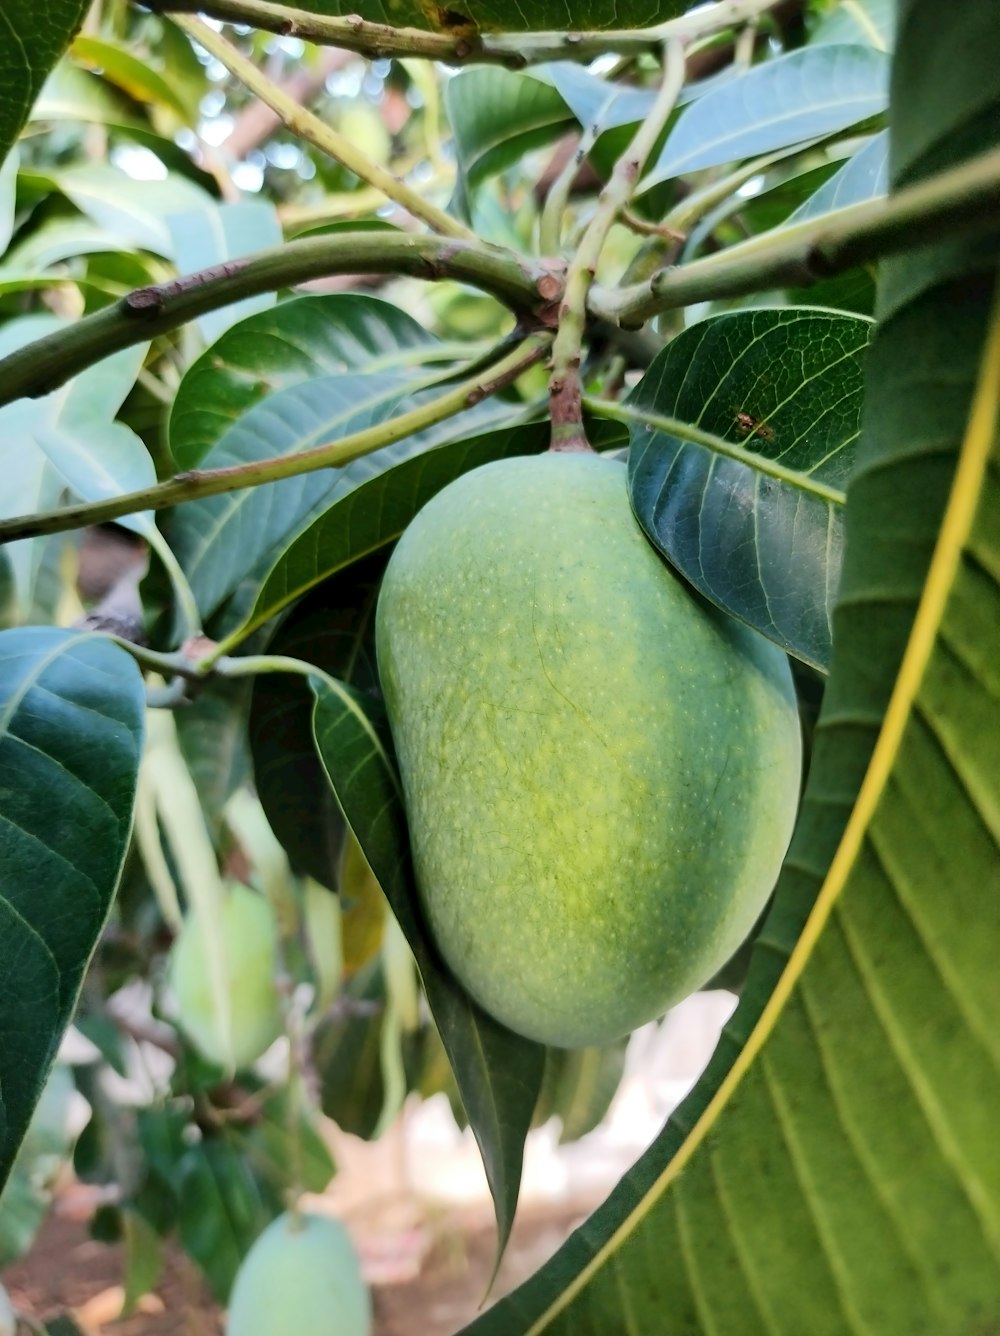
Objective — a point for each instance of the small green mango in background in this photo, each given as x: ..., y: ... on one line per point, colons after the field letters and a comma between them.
x: 300, y: 1278
x: 601, y: 771
x: 250, y: 931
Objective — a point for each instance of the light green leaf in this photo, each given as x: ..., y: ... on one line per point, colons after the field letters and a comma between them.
x: 789, y: 100
x: 872, y: 22
x: 123, y: 68
x: 296, y: 341
x: 784, y: 386
x: 33, y: 35
x: 863, y: 176
x: 71, y: 727
x: 217, y: 233
x: 133, y: 212
x: 497, y: 117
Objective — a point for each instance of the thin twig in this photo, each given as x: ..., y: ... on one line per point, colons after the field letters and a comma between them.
x: 212, y: 482
x: 564, y: 385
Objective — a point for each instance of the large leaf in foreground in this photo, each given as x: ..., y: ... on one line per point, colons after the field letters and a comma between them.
x: 784, y: 386
x: 299, y: 340
x: 33, y: 35
x: 71, y: 722
x: 841, y: 1175
x: 499, y: 1074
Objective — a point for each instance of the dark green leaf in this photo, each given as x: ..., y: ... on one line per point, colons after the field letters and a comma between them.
x: 222, y: 1209
x: 786, y: 386
x: 211, y: 733
x: 71, y: 726
x: 228, y: 541
x: 333, y: 628
x: 32, y: 38
x: 297, y: 341
x: 372, y: 516
x: 277, y: 1148
x: 788, y: 100
x: 498, y: 1073
x: 347, y: 1055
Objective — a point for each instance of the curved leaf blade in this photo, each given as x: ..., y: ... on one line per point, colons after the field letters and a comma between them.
x: 32, y: 38
x: 864, y: 176
x: 804, y: 95
x: 333, y: 628
x: 499, y: 1074
x: 497, y: 116
x: 227, y: 543
x: 299, y: 340
x: 71, y: 728
x: 786, y: 385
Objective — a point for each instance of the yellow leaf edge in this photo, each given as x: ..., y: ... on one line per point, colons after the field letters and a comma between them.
x: 956, y: 526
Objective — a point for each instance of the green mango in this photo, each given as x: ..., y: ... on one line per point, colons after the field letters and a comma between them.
x: 601, y: 771
x: 301, y: 1278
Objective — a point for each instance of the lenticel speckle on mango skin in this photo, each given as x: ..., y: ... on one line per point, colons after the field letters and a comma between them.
x: 601, y: 772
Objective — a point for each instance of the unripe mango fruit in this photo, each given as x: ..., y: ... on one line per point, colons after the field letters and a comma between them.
x: 250, y: 932
x: 300, y: 1278
x: 600, y: 770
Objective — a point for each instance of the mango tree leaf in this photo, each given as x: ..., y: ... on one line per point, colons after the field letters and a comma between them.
x: 789, y: 100
x: 498, y: 1073
x: 835, y: 1168
x: 333, y: 628
x: 133, y: 212
x: 872, y: 22
x: 71, y: 727
x: 785, y: 385
x: 497, y: 116
x: 32, y: 38
x: 578, y: 1087
x: 863, y: 177
x: 226, y: 543
x: 346, y: 1051
x: 122, y: 67
x: 223, y: 1206
x: 596, y: 102
x: 217, y: 233
x: 296, y: 341
x: 373, y: 516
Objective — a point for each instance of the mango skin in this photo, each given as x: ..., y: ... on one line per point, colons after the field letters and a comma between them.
x: 301, y: 1278
x: 601, y: 772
